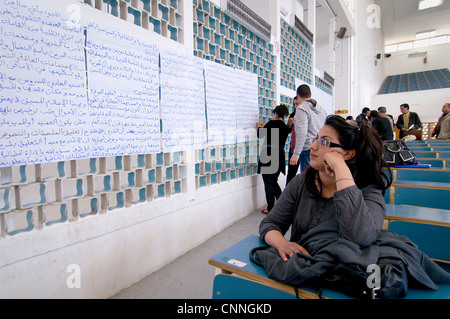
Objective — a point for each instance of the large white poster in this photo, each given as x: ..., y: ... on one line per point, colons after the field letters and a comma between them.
x: 71, y: 91
x: 220, y: 103
x: 247, y: 105
x: 182, y: 101
x: 123, y: 95
x: 43, y: 107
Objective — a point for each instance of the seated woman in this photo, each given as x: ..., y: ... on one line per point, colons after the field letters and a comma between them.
x: 345, y: 181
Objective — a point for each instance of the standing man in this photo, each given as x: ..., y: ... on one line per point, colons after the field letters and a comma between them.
x: 382, y: 126
x: 364, y: 116
x: 407, y: 121
x: 309, y: 119
x: 442, y: 129
x: 382, y: 112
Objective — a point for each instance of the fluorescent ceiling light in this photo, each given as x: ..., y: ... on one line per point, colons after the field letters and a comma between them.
x: 421, y: 43
x: 438, y: 40
x: 425, y: 34
x: 391, y: 48
x: 405, y: 46
x: 427, y: 4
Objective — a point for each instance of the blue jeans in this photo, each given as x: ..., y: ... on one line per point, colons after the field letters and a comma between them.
x: 304, y: 160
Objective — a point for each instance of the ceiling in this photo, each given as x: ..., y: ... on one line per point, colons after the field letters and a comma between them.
x: 401, y: 19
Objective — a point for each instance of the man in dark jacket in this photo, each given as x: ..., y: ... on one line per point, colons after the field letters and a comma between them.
x: 382, y: 126
x: 364, y: 116
x: 407, y: 121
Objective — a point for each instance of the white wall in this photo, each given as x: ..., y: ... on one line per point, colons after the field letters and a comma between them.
x: 369, y: 42
x: 342, y: 87
x: 400, y: 63
x: 428, y: 103
x: 118, y: 248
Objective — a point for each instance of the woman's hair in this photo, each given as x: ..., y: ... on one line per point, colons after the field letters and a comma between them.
x: 282, y: 111
x: 368, y: 166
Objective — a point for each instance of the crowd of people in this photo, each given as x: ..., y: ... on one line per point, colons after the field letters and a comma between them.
x: 306, y: 123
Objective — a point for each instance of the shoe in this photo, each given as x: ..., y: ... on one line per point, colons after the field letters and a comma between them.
x: 265, y: 211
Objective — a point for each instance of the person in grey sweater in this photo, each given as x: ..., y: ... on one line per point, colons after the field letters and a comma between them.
x: 345, y: 181
x: 309, y: 119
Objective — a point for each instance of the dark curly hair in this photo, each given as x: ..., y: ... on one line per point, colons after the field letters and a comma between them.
x: 368, y: 167
x: 282, y: 110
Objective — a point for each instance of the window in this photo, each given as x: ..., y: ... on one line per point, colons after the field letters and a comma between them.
x: 427, y: 4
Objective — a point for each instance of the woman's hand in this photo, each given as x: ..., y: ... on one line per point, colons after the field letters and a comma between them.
x: 285, y: 248
x: 335, y: 166
x: 332, y: 161
x: 289, y: 249
x: 290, y: 122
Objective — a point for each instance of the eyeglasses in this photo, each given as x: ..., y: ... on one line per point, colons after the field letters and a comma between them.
x: 324, y: 143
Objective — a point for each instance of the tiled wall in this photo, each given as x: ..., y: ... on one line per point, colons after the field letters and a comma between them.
x: 164, y: 17
x: 296, y: 55
x: 219, y: 38
x: 36, y: 196
x: 324, y: 86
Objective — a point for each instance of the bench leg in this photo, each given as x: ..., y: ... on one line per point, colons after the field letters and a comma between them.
x: 220, y: 271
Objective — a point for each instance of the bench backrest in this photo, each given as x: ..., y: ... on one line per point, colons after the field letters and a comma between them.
x: 435, y: 163
x: 422, y: 154
x: 426, y: 197
x: 425, y: 175
x: 431, y: 239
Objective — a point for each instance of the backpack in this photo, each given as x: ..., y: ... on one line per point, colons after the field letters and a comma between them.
x: 397, y: 153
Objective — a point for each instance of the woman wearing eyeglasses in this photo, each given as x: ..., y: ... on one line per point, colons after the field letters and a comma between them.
x: 345, y: 181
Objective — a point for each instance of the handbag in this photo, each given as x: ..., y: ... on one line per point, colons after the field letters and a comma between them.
x: 352, y: 281
x: 397, y: 153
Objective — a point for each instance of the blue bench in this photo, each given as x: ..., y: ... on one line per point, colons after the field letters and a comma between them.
x: 420, y: 187
x: 253, y: 282
x: 436, y: 141
x: 435, y: 163
x: 418, y: 196
x: 230, y: 287
x: 425, y: 154
x: 431, y: 154
x: 421, y: 215
x: 428, y: 142
x: 425, y: 175
x: 431, y: 239
x: 420, y: 148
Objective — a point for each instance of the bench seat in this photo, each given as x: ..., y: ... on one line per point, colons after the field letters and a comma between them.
x: 238, y: 278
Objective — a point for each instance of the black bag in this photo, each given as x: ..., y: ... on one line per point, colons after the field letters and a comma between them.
x: 354, y: 282
x: 397, y: 153
x: 393, y: 281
